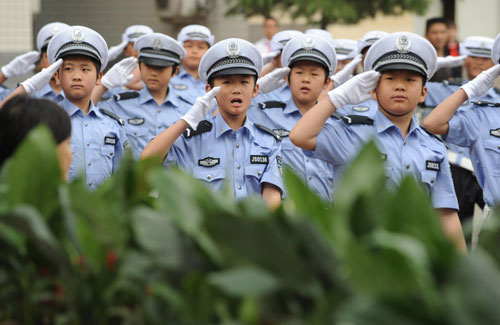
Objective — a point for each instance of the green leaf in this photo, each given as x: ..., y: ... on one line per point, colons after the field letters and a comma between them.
x: 244, y: 281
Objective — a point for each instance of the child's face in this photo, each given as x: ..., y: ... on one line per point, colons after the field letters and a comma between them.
x: 155, y: 78
x: 78, y: 77
x: 44, y: 60
x: 399, y: 91
x: 476, y: 65
x: 194, y: 51
x: 306, y: 80
x: 236, y: 93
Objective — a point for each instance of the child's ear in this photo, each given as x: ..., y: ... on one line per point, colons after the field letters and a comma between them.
x: 374, y: 94
x: 423, y: 95
x: 99, y: 77
x: 255, y: 90
x: 174, y: 73
x: 328, y: 84
x: 208, y: 88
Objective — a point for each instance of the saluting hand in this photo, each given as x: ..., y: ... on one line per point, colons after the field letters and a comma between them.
x: 120, y: 74
x: 21, y: 64
x: 41, y: 78
x: 201, y: 108
x: 115, y: 51
x: 355, y: 90
x: 343, y: 75
x: 482, y: 83
x: 450, y: 61
x: 273, y: 80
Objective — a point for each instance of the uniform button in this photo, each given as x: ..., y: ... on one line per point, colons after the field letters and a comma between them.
x: 88, y: 144
x: 432, y: 181
x: 404, y: 143
x: 407, y: 166
x: 90, y: 163
x: 237, y: 145
x: 86, y: 124
x: 159, y: 111
x: 135, y: 133
x: 159, y: 127
x: 111, y: 154
x: 238, y: 166
x: 310, y: 177
x: 259, y: 173
x: 239, y: 187
x: 498, y: 147
x: 307, y: 160
x: 209, y: 176
x: 89, y: 184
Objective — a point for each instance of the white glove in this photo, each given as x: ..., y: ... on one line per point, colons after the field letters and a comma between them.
x: 355, y: 90
x: 201, y: 108
x: 273, y: 80
x: 115, y: 51
x: 21, y: 64
x: 346, y: 73
x: 482, y: 83
x: 41, y: 78
x: 120, y: 74
x: 450, y: 61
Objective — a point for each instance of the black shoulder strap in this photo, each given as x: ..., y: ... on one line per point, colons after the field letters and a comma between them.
x: 433, y: 135
x: 127, y: 95
x: 112, y: 115
x: 184, y: 100
x: 272, y: 104
x: 268, y: 130
x: 353, y: 119
x: 485, y: 103
x: 203, y: 126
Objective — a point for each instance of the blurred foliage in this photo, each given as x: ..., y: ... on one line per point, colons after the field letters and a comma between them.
x: 325, y: 12
x: 157, y: 247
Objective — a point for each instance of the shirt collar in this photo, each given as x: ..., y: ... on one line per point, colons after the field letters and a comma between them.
x: 145, y: 96
x: 72, y: 109
x: 382, y: 123
x: 221, y: 126
x: 291, y: 107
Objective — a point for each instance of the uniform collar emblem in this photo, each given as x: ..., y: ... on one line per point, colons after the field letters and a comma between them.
x: 233, y: 50
x: 403, y: 44
x: 77, y: 36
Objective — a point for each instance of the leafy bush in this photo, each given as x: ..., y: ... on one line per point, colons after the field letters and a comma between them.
x: 153, y: 247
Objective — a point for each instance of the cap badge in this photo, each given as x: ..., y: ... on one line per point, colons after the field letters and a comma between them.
x: 157, y: 44
x: 403, y: 44
x: 55, y: 29
x: 308, y: 43
x: 482, y: 45
x: 233, y: 50
x: 77, y: 36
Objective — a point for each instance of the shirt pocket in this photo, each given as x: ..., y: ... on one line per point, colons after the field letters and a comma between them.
x: 254, y: 172
x: 209, y: 175
x: 428, y: 179
x: 492, y: 153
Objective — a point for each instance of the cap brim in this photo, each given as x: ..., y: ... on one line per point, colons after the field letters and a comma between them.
x: 80, y: 52
x: 402, y: 66
x: 231, y: 71
x: 156, y: 62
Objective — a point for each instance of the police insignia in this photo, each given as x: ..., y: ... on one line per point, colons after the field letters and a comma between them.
x: 308, y: 43
x: 180, y: 87
x: 282, y: 133
x: 233, y: 50
x: 77, y: 36
x: 495, y: 132
x: 209, y: 162
x: 110, y: 140
x: 136, y: 121
x: 259, y: 159
x: 432, y: 165
x: 157, y: 44
x: 403, y: 44
x: 360, y: 108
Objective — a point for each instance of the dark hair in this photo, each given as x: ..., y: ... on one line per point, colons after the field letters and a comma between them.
x: 174, y: 66
x: 211, y: 80
x: 325, y: 69
x: 436, y: 20
x: 271, y: 18
x: 21, y: 114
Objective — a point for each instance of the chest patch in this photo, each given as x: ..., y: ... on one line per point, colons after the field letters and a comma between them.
x: 180, y: 86
x: 136, y: 121
x: 110, y: 140
x: 282, y: 133
x: 209, y: 162
x: 432, y: 165
x: 257, y: 159
x: 495, y: 132
x: 360, y: 108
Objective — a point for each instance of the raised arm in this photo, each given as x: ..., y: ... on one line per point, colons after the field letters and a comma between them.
x: 119, y: 75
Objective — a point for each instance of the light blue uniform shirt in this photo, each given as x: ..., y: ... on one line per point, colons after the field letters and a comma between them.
x: 97, y: 144
x: 366, y: 108
x: 419, y: 154
x: 47, y: 93
x: 186, y: 87
x: 478, y: 128
x: 281, y: 94
x: 143, y: 118
x: 318, y: 173
x: 244, y: 159
x: 4, y: 92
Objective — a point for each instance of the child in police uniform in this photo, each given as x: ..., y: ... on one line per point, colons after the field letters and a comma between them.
x: 155, y: 108
x: 311, y: 61
x: 476, y: 128
x: 397, y: 67
x: 78, y: 54
x: 228, y: 146
x: 196, y: 40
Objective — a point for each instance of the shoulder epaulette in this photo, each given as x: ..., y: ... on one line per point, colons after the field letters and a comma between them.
x: 112, y: 115
x: 203, y: 126
x: 272, y: 104
x: 268, y: 130
x: 485, y: 103
x: 184, y: 100
x: 353, y: 119
x: 433, y: 135
x: 127, y: 95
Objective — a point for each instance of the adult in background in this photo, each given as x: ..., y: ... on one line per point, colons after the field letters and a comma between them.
x: 270, y: 28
